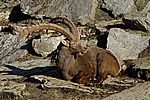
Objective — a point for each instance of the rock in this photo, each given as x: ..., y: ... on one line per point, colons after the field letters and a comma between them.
x: 139, y: 92
x: 57, y: 83
x: 147, y: 7
x: 7, y: 5
x: 11, y: 90
x: 46, y: 44
x: 31, y: 63
x: 145, y: 52
x: 138, y: 68
x: 77, y: 10
x: 138, y: 21
x: 119, y: 7
x: 140, y: 4
x: 126, y: 45
x: 10, y: 49
x: 100, y: 14
x: 102, y: 25
x: 4, y: 16
x: 77, y: 91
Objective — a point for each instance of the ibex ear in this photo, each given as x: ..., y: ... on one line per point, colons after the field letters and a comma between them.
x: 65, y: 42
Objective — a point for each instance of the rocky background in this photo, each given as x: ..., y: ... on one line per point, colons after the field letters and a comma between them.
x: 123, y: 26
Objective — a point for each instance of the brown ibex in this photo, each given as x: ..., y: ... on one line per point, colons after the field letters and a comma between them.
x: 101, y: 62
x: 78, y: 63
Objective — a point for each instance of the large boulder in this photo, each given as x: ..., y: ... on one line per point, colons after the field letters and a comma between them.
x: 119, y: 7
x: 140, y: 92
x: 77, y: 10
x: 126, y: 45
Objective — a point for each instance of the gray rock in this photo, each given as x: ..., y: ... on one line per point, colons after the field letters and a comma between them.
x: 75, y: 91
x: 10, y: 48
x: 145, y: 52
x: 140, y: 4
x: 138, y: 68
x: 31, y: 63
x: 126, y: 45
x: 46, y: 44
x: 138, y: 20
x: 7, y: 5
x: 101, y: 25
x: 12, y: 89
x: 119, y: 7
x: 147, y: 7
x: 77, y: 10
x: 57, y: 83
x: 139, y: 92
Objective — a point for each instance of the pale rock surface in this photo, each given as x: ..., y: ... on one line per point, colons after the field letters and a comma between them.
x: 78, y: 10
x: 119, y: 7
x: 126, y: 45
x: 139, y: 92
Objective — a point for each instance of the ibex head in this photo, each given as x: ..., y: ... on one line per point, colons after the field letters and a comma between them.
x: 74, y: 45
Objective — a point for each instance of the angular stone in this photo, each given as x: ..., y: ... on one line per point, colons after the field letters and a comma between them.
x: 139, y: 92
x: 77, y: 10
x: 147, y: 7
x: 46, y: 44
x: 138, y: 20
x: 126, y: 45
x: 12, y: 89
x: 140, y: 4
x: 119, y: 7
x: 10, y: 49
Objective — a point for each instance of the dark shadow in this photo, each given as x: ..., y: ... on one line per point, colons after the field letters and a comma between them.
x: 134, y: 25
x: 101, y: 38
x: 127, y: 25
x: 107, y: 11
x: 52, y: 71
x: 122, y: 26
x: 144, y: 53
x: 29, y: 48
x: 17, y: 15
x: 134, y: 72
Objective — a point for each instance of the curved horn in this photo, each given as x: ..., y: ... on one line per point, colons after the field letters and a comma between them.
x: 34, y: 28
x: 63, y: 19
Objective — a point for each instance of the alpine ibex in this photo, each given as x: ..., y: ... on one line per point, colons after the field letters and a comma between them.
x: 101, y: 62
x: 79, y: 63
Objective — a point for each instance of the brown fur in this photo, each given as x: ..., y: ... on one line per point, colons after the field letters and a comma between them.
x: 93, y: 63
x: 99, y: 61
x: 75, y: 67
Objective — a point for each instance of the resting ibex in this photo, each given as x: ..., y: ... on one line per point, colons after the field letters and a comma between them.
x: 101, y: 62
x: 78, y: 63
